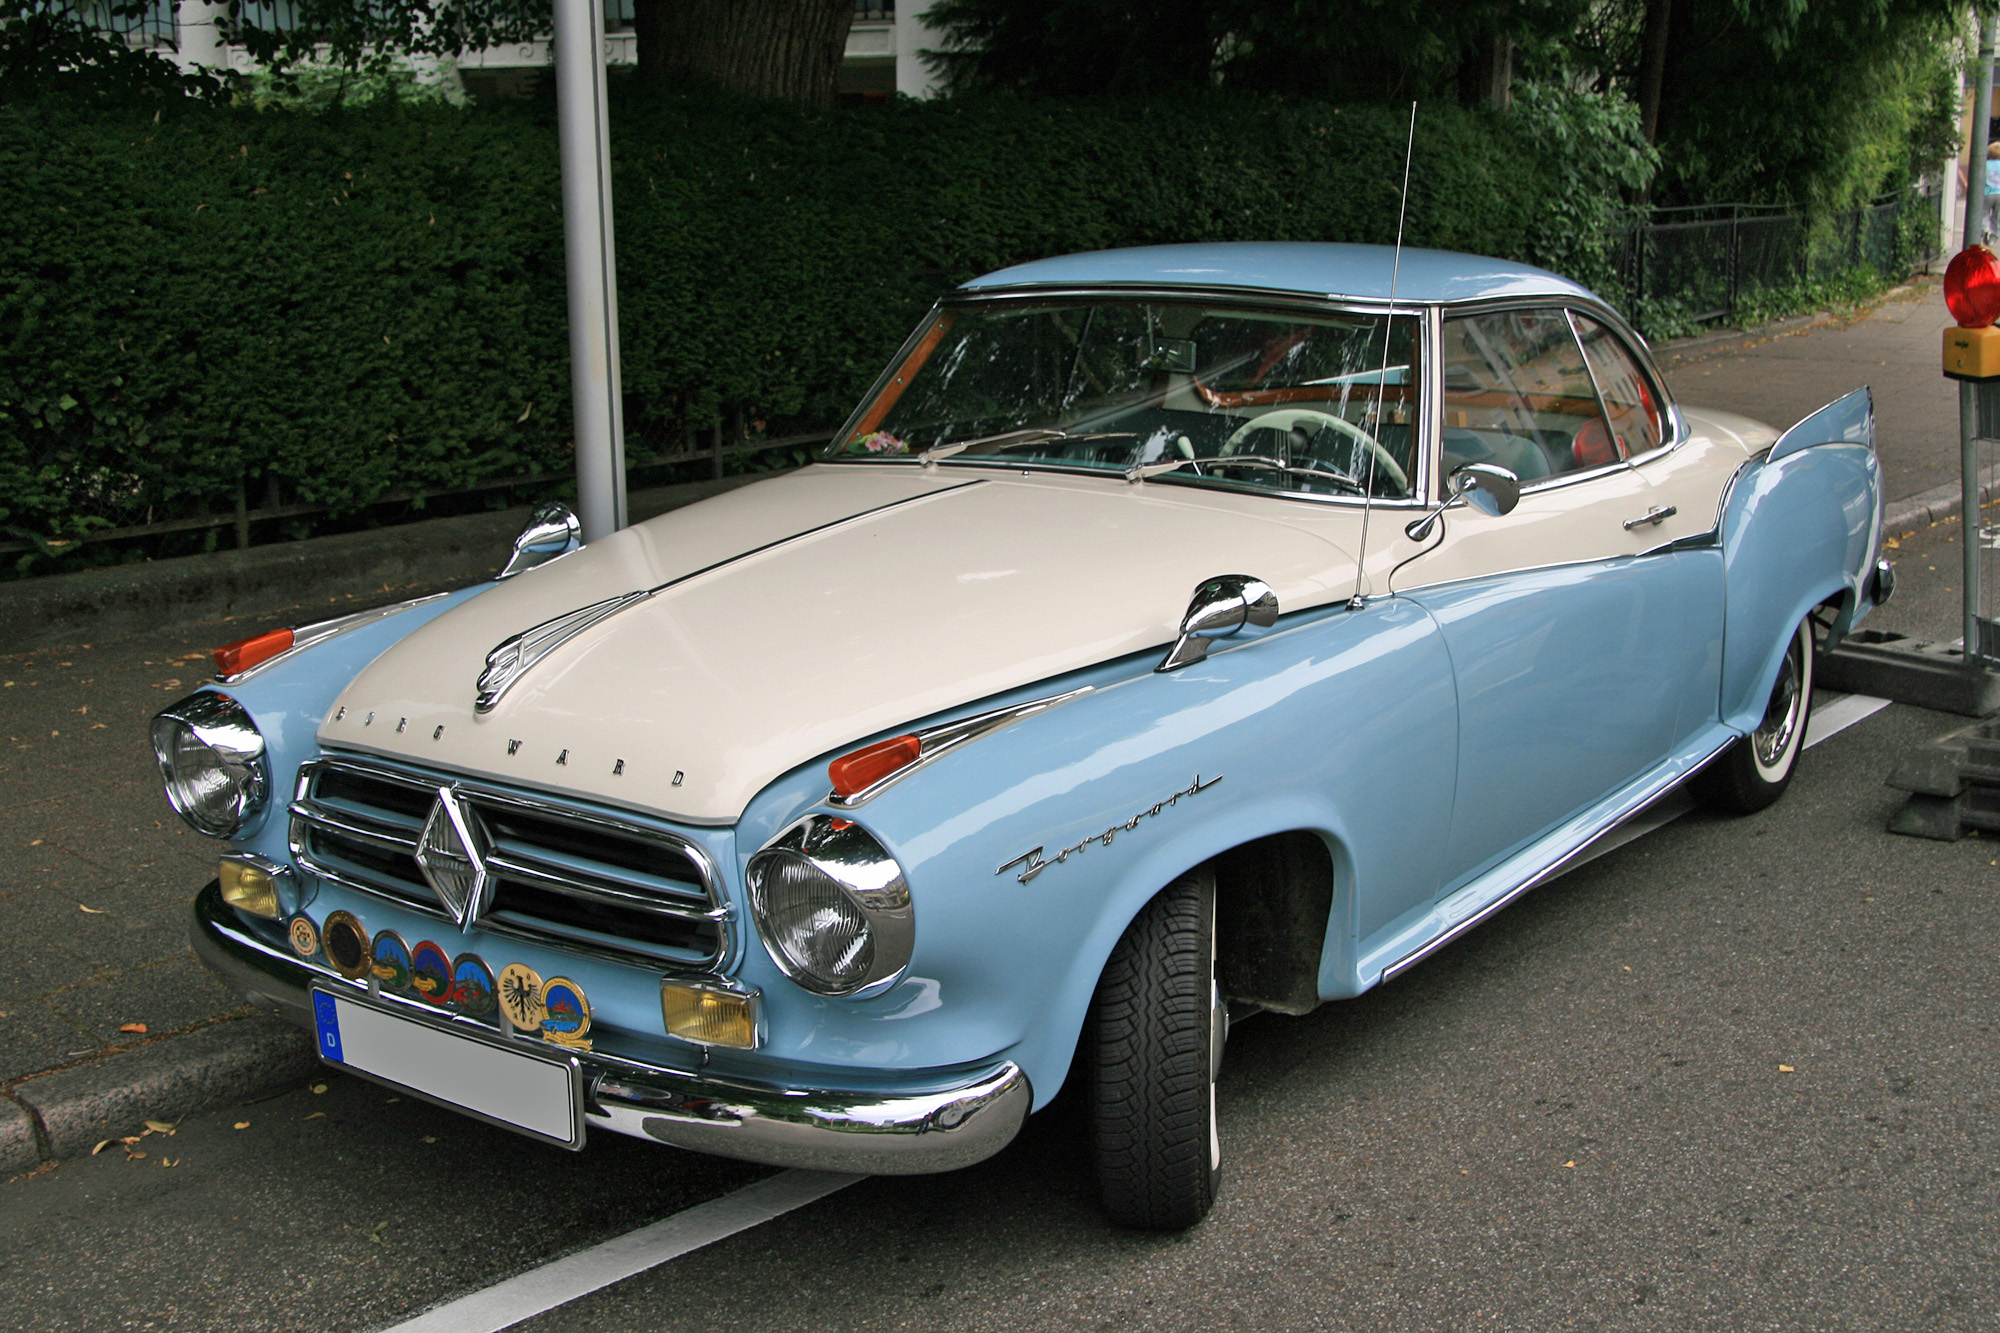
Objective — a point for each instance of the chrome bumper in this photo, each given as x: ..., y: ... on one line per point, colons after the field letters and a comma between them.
x: 821, y: 1129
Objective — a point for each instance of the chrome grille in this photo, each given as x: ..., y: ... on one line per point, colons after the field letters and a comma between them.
x: 563, y: 874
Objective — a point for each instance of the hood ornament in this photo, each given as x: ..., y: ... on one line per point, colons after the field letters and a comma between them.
x: 513, y: 658
x: 451, y: 853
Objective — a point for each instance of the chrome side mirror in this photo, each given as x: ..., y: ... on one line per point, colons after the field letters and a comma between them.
x: 1221, y: 606
x: 1490, y: 489
x: 552, y: 530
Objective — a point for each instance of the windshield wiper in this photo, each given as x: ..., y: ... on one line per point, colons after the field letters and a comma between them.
x: 1009, y: 439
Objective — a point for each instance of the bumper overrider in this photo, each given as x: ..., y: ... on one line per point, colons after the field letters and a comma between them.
x: 820, y: 1129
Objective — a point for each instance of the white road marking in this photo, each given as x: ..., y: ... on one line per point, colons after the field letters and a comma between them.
x: 507, y: 1303
x: 1839, y: 713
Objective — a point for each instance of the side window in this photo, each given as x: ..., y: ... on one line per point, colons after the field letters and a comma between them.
x: 1517, y: 393
x: 1635, y: 414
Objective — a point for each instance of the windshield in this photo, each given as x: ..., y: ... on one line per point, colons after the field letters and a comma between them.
x: 1266, y: 398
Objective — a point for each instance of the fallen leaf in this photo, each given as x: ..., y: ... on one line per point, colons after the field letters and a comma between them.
x: 317, y: 1115
x: 135, y: 1157
x: 161, y: 1126
x: 94, y: 911
x: 1568, y: 1165
x: 1628, y: 969
x: 36, y: 843
x: 243, y: 1124
x: 170, y: 1161
x: 102, y: 1146
x: 1786, y: 1069
x: 139, y: 1028
x: 376, y: 1234
x: 318, y: 1088
x: 430, y: 1138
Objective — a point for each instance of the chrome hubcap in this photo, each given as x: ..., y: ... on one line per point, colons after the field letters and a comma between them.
x: 1773, y: 737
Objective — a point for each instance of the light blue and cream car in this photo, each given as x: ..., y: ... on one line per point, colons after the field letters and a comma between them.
x: 1171, y: 633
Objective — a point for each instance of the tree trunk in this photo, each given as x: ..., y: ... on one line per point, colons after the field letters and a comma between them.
x: 1653, y: 68
x: 788, y: 49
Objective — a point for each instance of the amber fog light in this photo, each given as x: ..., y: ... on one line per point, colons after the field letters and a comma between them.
x: 709, y: 1015
x: 250, y: 884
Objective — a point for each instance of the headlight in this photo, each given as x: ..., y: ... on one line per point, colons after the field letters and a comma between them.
x: 212, y: 761
x: 832, y: 906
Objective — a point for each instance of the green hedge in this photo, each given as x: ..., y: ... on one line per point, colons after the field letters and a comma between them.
x: 213, y: 304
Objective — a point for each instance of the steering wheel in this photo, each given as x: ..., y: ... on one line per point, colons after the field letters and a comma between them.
x: 1288, y: 418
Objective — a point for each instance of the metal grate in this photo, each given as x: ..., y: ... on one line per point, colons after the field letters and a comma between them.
x: 562, y: 874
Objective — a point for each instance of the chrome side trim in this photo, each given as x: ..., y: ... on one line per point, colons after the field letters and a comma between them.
x: 307, y: 636
x: 1561, y: 851
x: 934, y: 743
x: 513, y: 658
x: 878, y: 1132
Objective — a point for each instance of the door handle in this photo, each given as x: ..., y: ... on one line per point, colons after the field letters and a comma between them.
x: 1657, y: 515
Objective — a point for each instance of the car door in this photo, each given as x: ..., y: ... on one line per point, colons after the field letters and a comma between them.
x: 1584, y: 636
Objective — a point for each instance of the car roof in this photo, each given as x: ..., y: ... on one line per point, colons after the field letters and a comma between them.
x: 1314, y: 268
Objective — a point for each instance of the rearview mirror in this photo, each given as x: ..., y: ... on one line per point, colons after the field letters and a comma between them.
x: 1220, y: 607
x: 1490, y: 489
x: 552, y: 530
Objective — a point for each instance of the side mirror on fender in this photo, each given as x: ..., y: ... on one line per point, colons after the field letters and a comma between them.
x: 1490, y: 489
x: 553, y: 530
x: 1220, y: 607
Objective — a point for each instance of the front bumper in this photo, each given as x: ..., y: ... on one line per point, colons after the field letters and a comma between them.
x: 820, y: 1129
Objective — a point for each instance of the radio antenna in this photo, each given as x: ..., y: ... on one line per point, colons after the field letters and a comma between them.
x: 1356, y: 602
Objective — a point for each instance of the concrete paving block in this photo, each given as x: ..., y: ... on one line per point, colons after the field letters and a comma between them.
x: 166, y: 1080
x: 18, y: 1150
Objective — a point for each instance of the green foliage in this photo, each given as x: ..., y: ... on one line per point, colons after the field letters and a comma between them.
x: 50, y: 49
x: 330, y: 307
x: 378, y: 78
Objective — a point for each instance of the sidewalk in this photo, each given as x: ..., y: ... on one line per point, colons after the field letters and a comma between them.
x: 105, y: 1018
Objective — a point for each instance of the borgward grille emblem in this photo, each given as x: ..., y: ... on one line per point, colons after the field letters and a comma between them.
x: 452, y: 855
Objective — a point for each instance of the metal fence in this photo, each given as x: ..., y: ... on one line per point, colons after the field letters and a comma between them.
x: 1710, y: 258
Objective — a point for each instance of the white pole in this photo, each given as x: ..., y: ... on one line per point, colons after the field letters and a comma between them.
x: 198, y: 42
x: 1969, y: 394
x: 583, y: 139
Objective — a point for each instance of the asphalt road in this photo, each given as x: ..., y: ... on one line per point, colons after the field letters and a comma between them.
x: 1739, y: 1074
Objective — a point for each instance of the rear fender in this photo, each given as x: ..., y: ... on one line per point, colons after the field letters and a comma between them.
x: 1799, y: 530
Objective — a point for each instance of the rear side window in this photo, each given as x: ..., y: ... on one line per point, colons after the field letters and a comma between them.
x: 1517, y: 393
x: 1629, y: 401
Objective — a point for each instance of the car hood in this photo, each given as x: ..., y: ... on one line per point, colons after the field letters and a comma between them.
x: 802, y: 614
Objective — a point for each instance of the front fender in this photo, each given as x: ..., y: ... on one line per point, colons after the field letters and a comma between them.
x: 1343, y: 723
x: 1797, y: 531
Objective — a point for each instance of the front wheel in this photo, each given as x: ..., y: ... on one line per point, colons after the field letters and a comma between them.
x: 1755, y: 771
x: 1156, y: 1046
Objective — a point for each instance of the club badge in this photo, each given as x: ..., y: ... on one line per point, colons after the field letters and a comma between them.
x: 304, y: 935
x: 521, y: 996
x: 346, y: 943
x: 430, y: 973
x: 391, y: 961
x: 473, y: 990
x: 566, y: 1019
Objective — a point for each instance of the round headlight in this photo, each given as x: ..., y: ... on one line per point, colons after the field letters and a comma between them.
x: 212, y: 762
x: 832, y: 906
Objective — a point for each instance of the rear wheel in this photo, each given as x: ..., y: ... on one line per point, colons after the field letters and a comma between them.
x: 1755, y: 771
x: 1156, y: 1046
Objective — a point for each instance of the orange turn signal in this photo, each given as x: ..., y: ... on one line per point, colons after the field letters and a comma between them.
x: 235, y: 658
x: 867, y: 766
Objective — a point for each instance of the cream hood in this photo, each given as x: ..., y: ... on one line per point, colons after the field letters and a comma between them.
x: 802, y: 614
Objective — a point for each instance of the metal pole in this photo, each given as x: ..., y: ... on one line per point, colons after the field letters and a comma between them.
x: 1968, y: 394
x: 583, y: 138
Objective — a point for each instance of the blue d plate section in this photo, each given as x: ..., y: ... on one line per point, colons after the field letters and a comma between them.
x: 326, y: 1019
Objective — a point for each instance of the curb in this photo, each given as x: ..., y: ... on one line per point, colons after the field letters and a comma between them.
x: 355, y: 570
x: 65, y: 1113
x: 1937, y: 504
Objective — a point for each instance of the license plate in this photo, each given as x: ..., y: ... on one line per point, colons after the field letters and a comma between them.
x: 537, y: 1094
